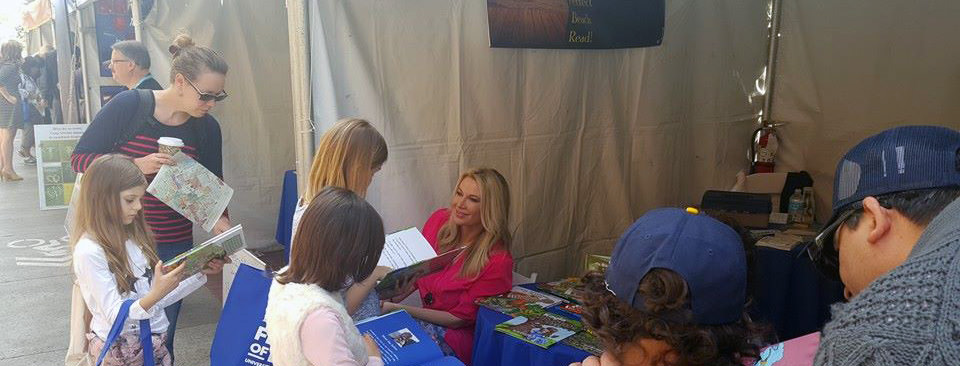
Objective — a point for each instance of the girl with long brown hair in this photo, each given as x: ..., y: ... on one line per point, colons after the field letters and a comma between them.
x: 348, y: 156
x: 476, y: 219
x: 115, y: 259
x: 340, y: 237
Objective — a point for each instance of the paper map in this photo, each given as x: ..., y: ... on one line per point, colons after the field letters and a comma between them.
x: 191, y: 190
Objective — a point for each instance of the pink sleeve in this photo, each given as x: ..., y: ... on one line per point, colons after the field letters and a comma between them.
x: 323, y: 341
x: 496, y: 278
x: 432, y: 227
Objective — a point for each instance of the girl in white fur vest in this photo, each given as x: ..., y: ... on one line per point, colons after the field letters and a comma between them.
x: 340, y: 237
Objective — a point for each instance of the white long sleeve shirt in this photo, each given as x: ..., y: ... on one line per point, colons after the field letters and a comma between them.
x: 102, y: 295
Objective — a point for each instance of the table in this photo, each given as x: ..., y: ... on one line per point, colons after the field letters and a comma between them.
x: 492, y: 348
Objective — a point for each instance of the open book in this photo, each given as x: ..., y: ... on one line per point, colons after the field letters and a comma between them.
x: 403, y: 342
x: 220, y: 246
x: 191, y: 190
x: 411, y: 257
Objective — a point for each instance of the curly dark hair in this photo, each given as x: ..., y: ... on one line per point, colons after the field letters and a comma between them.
x: 667, y: 317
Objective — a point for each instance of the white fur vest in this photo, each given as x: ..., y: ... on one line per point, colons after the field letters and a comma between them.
x: 288, y: 306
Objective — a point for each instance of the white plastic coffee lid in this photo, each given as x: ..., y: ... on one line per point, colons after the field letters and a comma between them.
x: 170, y: 141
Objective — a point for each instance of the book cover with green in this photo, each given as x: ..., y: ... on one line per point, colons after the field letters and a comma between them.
x: 520, y: 301
x: 388, y: 286
x: 220, y: 246
x: 543, y: 330
x: 586, y: 341
x: 571, y: 289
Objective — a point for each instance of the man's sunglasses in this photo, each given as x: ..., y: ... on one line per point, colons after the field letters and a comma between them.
x: 206, y: 97
x: 823, y: 250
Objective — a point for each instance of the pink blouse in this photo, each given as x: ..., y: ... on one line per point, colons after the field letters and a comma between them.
x: 447, y: 291
x: 324, y: 343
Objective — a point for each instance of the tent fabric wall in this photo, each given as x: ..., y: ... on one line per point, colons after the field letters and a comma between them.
x: 850, y: 69
x: 588, y: 140
x: 256, y: 120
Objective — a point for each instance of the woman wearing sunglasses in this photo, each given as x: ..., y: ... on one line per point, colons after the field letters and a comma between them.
x: 132, y: 122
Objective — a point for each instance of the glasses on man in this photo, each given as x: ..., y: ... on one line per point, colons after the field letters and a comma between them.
x: 206, y: 97
x: 108, y: 63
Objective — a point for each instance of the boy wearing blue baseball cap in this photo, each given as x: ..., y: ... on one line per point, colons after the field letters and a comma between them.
x: 893, y: 240
x: 674, y: 294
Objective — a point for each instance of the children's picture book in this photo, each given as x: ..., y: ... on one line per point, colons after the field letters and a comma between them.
x: 586, y: 341
x: 799, y: 351
x: 520, y: 301
x: 411, y: 257
x: 220, y: 246
x: 403, y: 342
x: 543, y: 330
x: 192, y: 190
x: 569, y: 288
x: 596, y: 263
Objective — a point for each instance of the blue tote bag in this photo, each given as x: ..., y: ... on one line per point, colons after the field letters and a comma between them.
x: 241, y: 338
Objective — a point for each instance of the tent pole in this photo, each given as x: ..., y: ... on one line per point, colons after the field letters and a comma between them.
x: 300, y: 81
x: 135, y: 19
x: 773, y: 47
x: 61, y: 35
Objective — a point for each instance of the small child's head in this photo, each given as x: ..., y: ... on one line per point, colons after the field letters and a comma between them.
x: 340, y: 237
x: 109, y: 211
x: 675, y: 294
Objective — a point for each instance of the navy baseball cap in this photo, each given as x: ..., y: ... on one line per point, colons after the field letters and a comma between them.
x: 707, y: 253
x: 896, y: 160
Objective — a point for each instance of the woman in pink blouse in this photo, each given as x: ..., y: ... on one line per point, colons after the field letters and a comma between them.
x: 477, y: 219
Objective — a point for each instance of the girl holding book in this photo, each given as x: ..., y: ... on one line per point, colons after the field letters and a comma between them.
x: 476, y: 219
x: 348, y: 156
x: 307, y: 322
x: 115, y: 259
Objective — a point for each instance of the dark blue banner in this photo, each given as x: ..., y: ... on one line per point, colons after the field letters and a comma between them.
x: 575, y: 23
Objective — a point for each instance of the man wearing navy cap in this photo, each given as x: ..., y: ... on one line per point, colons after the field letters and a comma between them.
x: 893, y: 241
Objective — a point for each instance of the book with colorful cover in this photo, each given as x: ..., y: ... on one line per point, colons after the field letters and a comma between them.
x: 220, y: 246
x: 586, y: 341
x: 520, y: 301
x: 411, y: 256
x: 543, y: 330
x: 596, y: 263
x: 402, y: 342
x: 569, y: 288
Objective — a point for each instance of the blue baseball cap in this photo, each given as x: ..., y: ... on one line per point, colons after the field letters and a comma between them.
x: 896, y: 160
x: 707, y: 253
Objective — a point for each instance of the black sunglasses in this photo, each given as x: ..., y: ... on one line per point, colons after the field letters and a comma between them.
x: 206, y: 97
x: 823, y: 251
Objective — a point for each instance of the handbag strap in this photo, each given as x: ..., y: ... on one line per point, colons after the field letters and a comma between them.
x: 145, y: 335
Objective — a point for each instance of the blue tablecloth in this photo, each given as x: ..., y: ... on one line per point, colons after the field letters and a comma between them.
x: 790, y: 294
x: 288, y: 203
x: 492, y: 348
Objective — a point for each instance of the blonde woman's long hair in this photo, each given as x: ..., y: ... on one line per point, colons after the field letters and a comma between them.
x: 494, y: 216
x: 346, y: 158
x: 99, y: 215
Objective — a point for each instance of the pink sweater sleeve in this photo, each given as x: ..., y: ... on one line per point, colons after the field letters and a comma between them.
x: 324, y: 343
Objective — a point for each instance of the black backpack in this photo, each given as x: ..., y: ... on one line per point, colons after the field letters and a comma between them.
x: 144, y: 117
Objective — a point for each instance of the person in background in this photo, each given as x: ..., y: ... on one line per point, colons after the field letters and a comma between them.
x: 49, y: 85
x: 10, y: 59
x: 197, y: 79
x: 893, y: 242
x: 348, y: 156
x: 130, y: 66
x: 340, y: 237
x: 476, y: 219
x: 31, y: 103
x: 675, y: 293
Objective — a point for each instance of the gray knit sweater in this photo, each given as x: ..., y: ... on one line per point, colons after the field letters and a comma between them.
x: 911, y: 315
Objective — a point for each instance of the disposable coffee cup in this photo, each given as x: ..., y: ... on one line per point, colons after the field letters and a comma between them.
x: 169, y: 145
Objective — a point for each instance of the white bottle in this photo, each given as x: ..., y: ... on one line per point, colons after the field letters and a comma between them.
x: 796, y: 208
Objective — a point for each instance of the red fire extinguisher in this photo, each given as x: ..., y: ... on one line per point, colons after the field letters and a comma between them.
x: 763, y: 148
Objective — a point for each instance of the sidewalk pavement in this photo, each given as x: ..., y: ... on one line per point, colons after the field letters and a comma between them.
x: 35, y: 280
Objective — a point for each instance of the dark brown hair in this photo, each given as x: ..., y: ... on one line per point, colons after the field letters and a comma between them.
x: 667, y: 317
x: 191, y: 60
x: 340, y: 237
